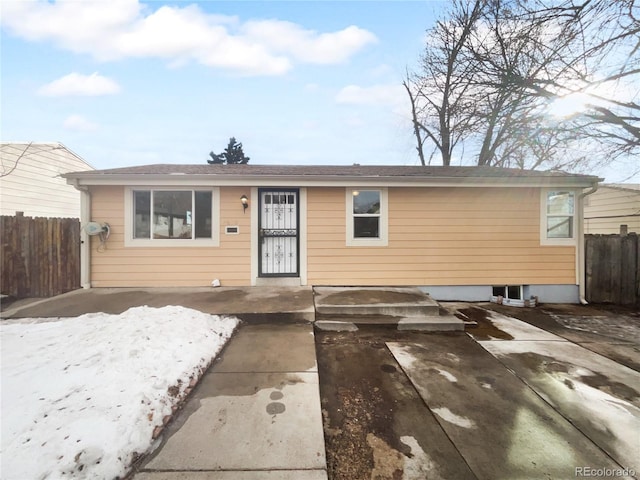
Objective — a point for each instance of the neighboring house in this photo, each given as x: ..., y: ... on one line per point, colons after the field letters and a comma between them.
x: 31, y: 182
x: 613, y: 205
x: 460, y: 233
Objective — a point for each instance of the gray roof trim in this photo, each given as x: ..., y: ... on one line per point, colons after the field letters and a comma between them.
x: 627, y: 187
x: 264, y: 175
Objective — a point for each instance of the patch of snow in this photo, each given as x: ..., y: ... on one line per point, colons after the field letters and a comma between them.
x: 452, y: 357
x: 402, y: 355
x: 613, y: 326
x: 486, y: 385
x: 451, y: 417
x: 564, y: 379
x: 518, y: 329
x: 85, y: 394
x: 447, y: 375
x: 581, y: 361
x: 615, y: 417
x: 418, y: 464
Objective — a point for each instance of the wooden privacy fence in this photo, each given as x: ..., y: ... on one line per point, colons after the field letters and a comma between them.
x: 40, y: 256
x: 613, y: 269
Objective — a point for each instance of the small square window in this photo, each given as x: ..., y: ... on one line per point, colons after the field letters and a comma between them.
x: 366, y: 227
x: 366, y: 202
x: 499, y: 291
x: 514, y: 292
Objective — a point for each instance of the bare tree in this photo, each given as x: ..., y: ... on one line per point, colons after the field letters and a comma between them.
x: 592, y: 58
x: 492, y: 69
x: 438, y: 93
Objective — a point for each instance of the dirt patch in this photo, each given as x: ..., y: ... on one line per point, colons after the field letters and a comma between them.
x: 358, y: 411
x: 358, y: 422
x: 371, y: 297
x: 376, y: 424
x: 485, y: 330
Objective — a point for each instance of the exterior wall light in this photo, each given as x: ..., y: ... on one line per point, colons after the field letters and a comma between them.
x: 245, y: 202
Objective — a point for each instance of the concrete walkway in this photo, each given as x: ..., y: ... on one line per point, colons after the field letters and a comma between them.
x: 293, y: 304
x: 255, y: 415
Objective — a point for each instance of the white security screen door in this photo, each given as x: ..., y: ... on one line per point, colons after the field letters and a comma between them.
x: 278, y: 232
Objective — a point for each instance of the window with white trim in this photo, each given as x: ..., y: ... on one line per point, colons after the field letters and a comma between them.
x: 164, y: 217
x: 559, y: 215
x: 512, y: 292
x: 367, y: 217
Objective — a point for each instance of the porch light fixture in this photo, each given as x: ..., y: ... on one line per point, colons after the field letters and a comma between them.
x: 245, y: 202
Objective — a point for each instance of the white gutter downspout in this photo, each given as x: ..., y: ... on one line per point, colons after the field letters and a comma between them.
x: 582, y: 278
x: 85, y: 242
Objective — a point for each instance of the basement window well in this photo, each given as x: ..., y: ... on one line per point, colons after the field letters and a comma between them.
x: 513, y: 295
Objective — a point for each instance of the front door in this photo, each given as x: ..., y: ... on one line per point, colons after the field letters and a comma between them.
x: 278, y: 232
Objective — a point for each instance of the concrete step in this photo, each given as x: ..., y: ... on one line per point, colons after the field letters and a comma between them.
x: 391, y: 301
x: 432, y: 323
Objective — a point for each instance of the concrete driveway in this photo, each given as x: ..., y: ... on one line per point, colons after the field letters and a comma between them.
x: 551, y: 392
x: 507, y: 400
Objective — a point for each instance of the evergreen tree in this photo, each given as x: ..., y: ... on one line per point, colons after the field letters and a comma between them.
x: 233, y: 154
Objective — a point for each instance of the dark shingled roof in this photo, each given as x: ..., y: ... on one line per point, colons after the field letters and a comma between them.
x: 311, y: 171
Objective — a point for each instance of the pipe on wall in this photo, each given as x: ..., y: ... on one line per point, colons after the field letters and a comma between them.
x: 582, y: 278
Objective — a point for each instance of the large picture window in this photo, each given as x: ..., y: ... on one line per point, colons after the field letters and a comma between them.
x: 367, y: 217
x: 171, y: 216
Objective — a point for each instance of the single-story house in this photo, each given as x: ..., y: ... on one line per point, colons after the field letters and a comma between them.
x: 611, y: 207
x: 31, y: 181
x: 460, y: 233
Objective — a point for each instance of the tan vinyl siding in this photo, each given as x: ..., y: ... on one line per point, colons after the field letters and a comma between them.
x: 119, y: 266
x: 439, y: 236
x: 608, y: 208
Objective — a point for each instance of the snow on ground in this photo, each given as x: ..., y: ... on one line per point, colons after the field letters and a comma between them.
x: 449, y: 416
x: 595, y: 393
x: 518, y: 329
x: 82, y: 396
x: 449, y: 376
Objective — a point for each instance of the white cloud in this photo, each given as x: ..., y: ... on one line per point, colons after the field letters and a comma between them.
x: 392, y: 95
x: 308, y: 45
x: 79, y: 123
x: 81, y: 85
x: 120, y: 29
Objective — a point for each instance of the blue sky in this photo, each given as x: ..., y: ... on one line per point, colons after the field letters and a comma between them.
x: 124, y: 82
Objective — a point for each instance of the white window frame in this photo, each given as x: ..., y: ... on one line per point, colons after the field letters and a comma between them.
x: 544, y: 240
x: 383, y: 239
x: 506, y: 291
x: 129, y: 216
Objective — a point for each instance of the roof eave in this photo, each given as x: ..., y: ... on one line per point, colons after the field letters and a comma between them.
x: 90, y: 178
